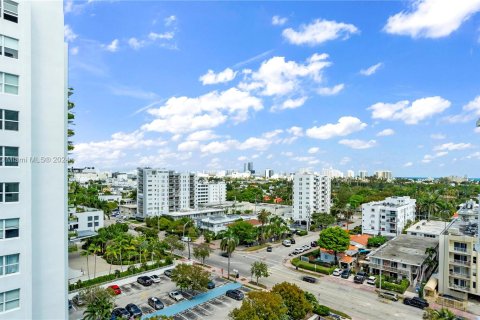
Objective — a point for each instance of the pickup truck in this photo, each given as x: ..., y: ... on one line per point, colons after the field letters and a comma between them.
x: 360, y: 277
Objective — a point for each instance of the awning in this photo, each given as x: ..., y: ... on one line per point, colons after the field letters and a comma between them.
x: 431, y: 284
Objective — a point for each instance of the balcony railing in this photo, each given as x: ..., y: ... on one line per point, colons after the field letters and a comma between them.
x: 460, y: 274
x: 462, y: 262
x: 389, y: 268
x: 459, y: 287
x: 459, y: 249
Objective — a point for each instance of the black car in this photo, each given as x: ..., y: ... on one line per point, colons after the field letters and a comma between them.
x: 292, y: 241
x: 235, y: 294
x: 134, y: 310
x: 155, y: 303
x: 314, y: 244
x: 145, y: 281
x: 211, y: 285
x: 345, y: 274
x: 309, y: 279
x: 168, y: 273
x: 269, y: 249
x: 360, y: 277
x: 416, y: 302
x: 225, y: 254
x: 121, y: 313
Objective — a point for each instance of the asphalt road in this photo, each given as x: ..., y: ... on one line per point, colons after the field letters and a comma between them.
x: 359, y: 301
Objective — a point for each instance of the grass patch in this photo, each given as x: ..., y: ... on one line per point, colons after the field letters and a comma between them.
x: 312, y: 267
x: 260, y: 246
x: 257, y: 284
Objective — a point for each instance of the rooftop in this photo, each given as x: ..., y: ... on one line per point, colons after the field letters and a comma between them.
x: 191, y: 212
x: 360, y: 238
x: 428, y: 226
x: 405, y: 249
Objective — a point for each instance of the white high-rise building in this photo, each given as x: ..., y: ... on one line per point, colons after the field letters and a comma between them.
x: 268, y: 173
x: 350, y: 174
x: 160, y: 191
x: 387, y: 217
x: 33, y: 175
x: 383, y: 175
x: 311, y: 193
x: 332, y: 173
x: 362, y: 174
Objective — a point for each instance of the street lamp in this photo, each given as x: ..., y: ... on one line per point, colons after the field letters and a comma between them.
x: 188, y: 240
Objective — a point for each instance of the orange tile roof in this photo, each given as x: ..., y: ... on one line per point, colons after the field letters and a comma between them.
x: 254, y: 222
x: 455, y: 215
x: 352, y: 247
x: 346, y: 259
x: 360, y: 238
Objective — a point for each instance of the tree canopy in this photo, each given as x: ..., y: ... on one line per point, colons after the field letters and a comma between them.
x: 294, y: 299
x: 191, y: 277
x: 261, y: 305
x: 335, y: 239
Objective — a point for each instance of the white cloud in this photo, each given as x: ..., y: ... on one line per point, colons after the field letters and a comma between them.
x: 450, y: 146
x: 413, y: 113
x: 290, y: 104
x: 358, y: 144
x: 295, y: 131
x: 113, y: 46
x: 438, y: 136
x: 135, y: 43
x: 371, y: 70
x: 74, y: 51
x: 408, y: 164
x: 344, y: 126
x: 218, y: 146
x: 68, y: 33
x: 313, y: 150
x: 213, y: 78
x: 132, y: 92
x: 279, y: 21
x: 202, y: 135
x: 242, y: 158
x: 188, y: 146
x: 470, y: 112
x: 386, y: 132
x: 159, y: 36
x: 428, y: 157
x: 432, y: 18
x: 270, y: 156
x: 170, y: 20
x: 272, y: 134
x: 475, y: 155
x: 287, y: 153
x: 185, y: 114
x: 331, y: 91
x: 319, y: 31
x: 476, y: 130
x: 345, y: 160
x: 255, y: 143
x: 279, y: 77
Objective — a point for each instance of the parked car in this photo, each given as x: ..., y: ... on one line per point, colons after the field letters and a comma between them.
x: 155, y: 303
x: 134, y: 310
x: 287, y: 243
x: 298, y: 250
x: 225, y: 254
x: 121, y: 313
x: 168, y: 273
x: 269, y: 249
x: 388, y: 295
x: 360, y: 277
x: 371, y: 280
x: 306, y: 247
x: 155, y: 278
x: 145, y: 281
x: 292, y: 241
x: 337, y: 272
x: 115, y: 289
x: 235, y: 294
x: 345, y: 274
x: 79, y: 300
x: 211, y: 284
x: 309, y: 279
x: 314, y: 244
x: 186, y: 239
x: 70, y: 304
x: 176, y: 295
x: 416, y: 302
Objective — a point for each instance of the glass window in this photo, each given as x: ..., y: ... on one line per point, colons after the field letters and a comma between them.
x: 89, y: 224
x: 9, y: 156
x: 11, y: 263
x: 11, y: 191
x: 11, y: 228
x: 10, y: 47
x: 11, y: 83
x: 11, y: 299
x: 11, y: 120
x: 10, y: 11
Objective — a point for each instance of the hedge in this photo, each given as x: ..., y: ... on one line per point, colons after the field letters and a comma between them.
x: 312, y: 267
x: 302, y: 233
x: 116, y: 275
x: 390, y: 286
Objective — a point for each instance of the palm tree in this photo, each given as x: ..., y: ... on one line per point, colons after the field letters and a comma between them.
x: 229, y: 243
x: 263, y: 217
x: 86, y: 253
x: 442, y: 314
x: 278, y: 227
x: 111, y: 252
x: 94, y: 248
x: 101, y: 308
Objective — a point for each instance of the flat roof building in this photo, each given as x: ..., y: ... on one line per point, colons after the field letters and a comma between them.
x: 427, y: 228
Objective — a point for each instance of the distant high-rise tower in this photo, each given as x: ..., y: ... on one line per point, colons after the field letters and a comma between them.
x: 33, y: 170
x: 248, y: 167
x: 311, y: 193
x: 268, y: 173
x: 362, y: 174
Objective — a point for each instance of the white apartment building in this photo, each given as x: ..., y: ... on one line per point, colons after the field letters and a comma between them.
x: 85, y: 222
x: 350, y: 174
x: 387, y: 217
x: 33, y: 172
x: 362, y: 174
x: 311, y: 193
x: 332, y: 173
x: 383, y: 175
x: 209, y: 192
x: 268, y: 173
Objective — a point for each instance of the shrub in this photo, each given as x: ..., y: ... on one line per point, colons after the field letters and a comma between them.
x: 321, y: 310
x: 312, y: 267
x: 390, y: 286
x: 302, y: 233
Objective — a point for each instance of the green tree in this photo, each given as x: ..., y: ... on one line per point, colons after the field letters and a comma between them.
x: 376, y: 241
x: 174, y: 243
x: 263, y: 217
x: 202, y: 252
x: 322, y: 220
x: 191, y: 277
x: 245, y: 232
x: 261, y: 305
x: 335, y: 239
x: 259, y: 270
x: 94, y: 249
x: 442, y: 314
x: 294, y: 299
x: 278, y: 227
x: 86, y: 253
x: 99, y: 303
x: 228, y: 244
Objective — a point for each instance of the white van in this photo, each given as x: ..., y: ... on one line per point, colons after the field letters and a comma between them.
x: 286, y: 243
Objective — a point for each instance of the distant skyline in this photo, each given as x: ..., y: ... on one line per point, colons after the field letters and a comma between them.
x: 211, y: 85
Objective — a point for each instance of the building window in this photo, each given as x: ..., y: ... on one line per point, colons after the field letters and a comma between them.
x: 89, y: 224
x: 9, y: 120
x: 9, y: 264
x: 8, y: 47
x: 8, y: 156
x: 10, y: 10
x: 96, y: 218
x: 8, y: 83
x: 90, y: 218
x: 96, y: 224
x: 9, y: 300
x: 9, y: 228
x: 9, y: 192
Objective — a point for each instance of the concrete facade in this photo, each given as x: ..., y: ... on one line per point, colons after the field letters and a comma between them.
x: 311, y: 193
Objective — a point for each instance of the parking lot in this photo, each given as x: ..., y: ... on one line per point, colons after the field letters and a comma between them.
x: 215, y: 308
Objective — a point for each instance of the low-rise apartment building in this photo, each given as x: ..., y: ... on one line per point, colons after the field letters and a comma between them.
x: 84, y: 222
x: 427, y: 229
x: 387, y: 217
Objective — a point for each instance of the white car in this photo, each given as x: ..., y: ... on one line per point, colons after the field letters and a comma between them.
x: 337, y: 272
x: 371, y: 280
x: 155, y: 278
x: 286, y: 243
x: 307, y: 247
x: 299, y: 250
x: 176, y: 295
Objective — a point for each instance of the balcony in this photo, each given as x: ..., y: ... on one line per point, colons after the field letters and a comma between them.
x: 459, y: 249
x: 459, y: 275
x: 460, y: 262
x: 459, y: 287
x: 389, y: 268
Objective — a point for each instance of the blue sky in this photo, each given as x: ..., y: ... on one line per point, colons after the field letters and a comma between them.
x: 210, y: 85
